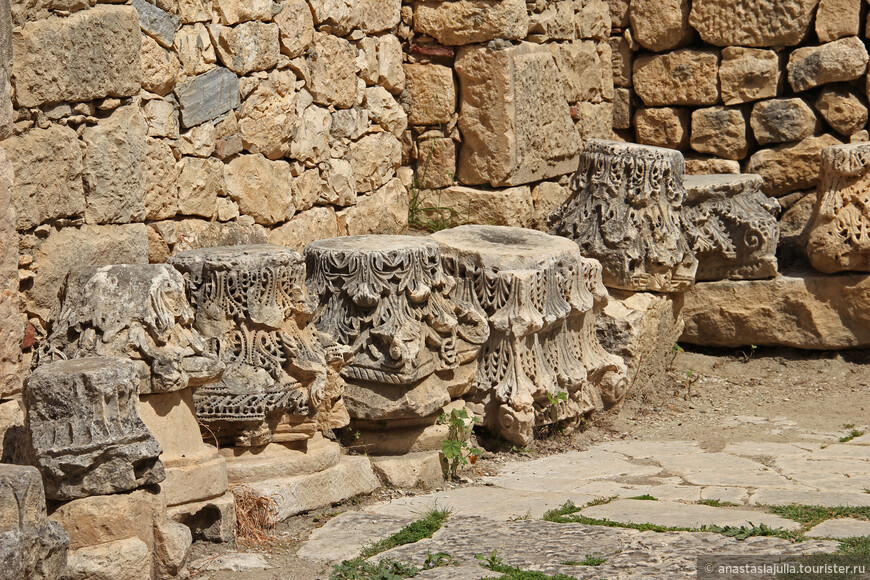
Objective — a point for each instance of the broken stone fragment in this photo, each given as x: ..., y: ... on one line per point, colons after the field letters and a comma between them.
x: 86, y: 437
x: 834, y: 62
x: 207, y: 96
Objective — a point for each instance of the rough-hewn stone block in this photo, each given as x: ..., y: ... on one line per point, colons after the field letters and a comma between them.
x: 91, y: 54
x: 782, y: 120
x: 834, y: 62
x: 157, y: 23
x: 748, y: 74
x: 431, y: 93
x: 838, y: 18
x: 10, y: 340
x: 791, y: 167
x: 663, y: 127
x: 720, y: 131
x: 752, y: 22
x: 207, y: 96
x: 660, y: 25
x: 842, y: 109
x: 682, y: 77
x: 469, y: 21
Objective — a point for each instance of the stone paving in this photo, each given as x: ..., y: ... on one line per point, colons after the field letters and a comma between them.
x: 505, y: 513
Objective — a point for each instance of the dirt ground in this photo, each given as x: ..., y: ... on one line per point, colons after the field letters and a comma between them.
x: 714, y: 397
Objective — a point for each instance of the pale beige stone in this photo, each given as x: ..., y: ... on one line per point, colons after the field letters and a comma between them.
x: 418, y: 470
x: 436, y: 163
x: 194, y: 49
x: 838, y: 18
x: 430, y: 93
x: 367, y: 59
x: 171, y: 549
x: 500, y: 207
x: 594, y: 120
x: 341, y: 16
x: 592, y: 18
x: 161, y: 177
x: 619, y: 13
x: 621, y: 59
x: 307, y: 187
x: 385, y: 111
x: 245, y: 465
x: 375, y: 159
x: 48, y: 169
x: 748, y: 74
x: 757, y: 23
x: 188, y: 11
x: 792, y: 167
x: 338, y: 185
x: 332, y: 80
x: 308, y: 226
x: 128, y: 559
x: 236, y: 11
x: 391, y: 74
x: 555, y: 22
x: 71, y: 248
x: 585, y: 72
x: 227, y: 209
x: 516, y: 125
x: 623, y: 108
x: 10, y: 319
x: 261, y: 187
x: 838, y: 61
x: 112, y: 168
x: 109, y: 518
x: 470, y: 21
x: 198, y: 141
x: 159, y: 67
x: 268, y: 116
x: 212, y: 520
x: 161, y: 116
x: 711, y: 166
x: 296, y: 25
x: 782, y: 120
x: 682, y: 77
x: 247, y: 47
x: 91, y: 54
x: 547, y: 197
x: 191, y: 234
x: 385, y: 211
x: 675, y: 514
x: 200, y: 181
x: 720, y: 131
x: 842, y: 109
x: 310, y: 141
x: 663, y: 127
x: 660, y: 25
x: 762, y: 312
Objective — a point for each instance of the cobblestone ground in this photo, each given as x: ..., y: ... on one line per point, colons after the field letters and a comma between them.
x: 659, y: 479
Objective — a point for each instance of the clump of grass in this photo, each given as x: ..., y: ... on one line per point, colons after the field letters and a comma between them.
x: 811, y: 515
x: 496, y: 564
x: 589, y: 560
x: 645, y: 497
x: 852, y: 434
x: 715, y: 503
x: 857, y: 546
x: 386, y: 569
x: 414, y: 532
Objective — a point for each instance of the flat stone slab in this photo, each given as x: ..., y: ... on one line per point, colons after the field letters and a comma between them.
x: 668, y: 492
x: 648, y: 449
x: 723, y: 469
x: 344, y: 536
x: 826, y: 474
x: 546, y: 546
x: 765, y: 449
x: 844, y: 451
x: 237, y: 562
x: 569, y: 471
x: 804, y: 497
x: 840, y: 528
x: 488, y: 502
x: 671, y: 514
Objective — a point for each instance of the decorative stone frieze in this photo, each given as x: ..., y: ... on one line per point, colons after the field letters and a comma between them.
x: 387, y: 298
x: 839, y: 229
x: 134, y: 311
x: 731, y: 226
x: 625, y: 212
x: 31, y: 546
x: 281, y: 383
x: 85, y: 433
x: 542, y: 364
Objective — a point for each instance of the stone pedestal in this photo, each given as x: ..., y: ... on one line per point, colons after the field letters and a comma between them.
x: 625, y: 211
x: 542, y: 364
x: 31, y: 546
x: 839, y: 229
x: 281, y: 383
x: 387, y: 298
x: 86, y: 436
x: 731, y: 225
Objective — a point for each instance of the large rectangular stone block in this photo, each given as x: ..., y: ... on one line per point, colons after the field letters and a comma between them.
x: 88, y: 55
x: 515, y: 120
x: 468, y: 21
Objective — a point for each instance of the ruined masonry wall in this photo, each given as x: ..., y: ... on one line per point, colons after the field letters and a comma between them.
x: 141, y: 129
x: 753, y: 86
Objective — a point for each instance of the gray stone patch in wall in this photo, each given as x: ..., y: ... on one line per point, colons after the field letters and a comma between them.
x: 157, y: 23
x: 207, y: 96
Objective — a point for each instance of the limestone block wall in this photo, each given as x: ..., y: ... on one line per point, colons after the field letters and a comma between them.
x: 500, y: 97
x: 743, y: 86
x: 139, y: 130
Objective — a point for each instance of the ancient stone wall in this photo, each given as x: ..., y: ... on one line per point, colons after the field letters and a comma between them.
x: 742, y: 85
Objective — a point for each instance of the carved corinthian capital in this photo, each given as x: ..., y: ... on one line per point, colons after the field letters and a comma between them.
x: 624, y: 211
x: 839, y: 230
x: 281, y: 381
x: 386, y: 297
x: 542, y: 364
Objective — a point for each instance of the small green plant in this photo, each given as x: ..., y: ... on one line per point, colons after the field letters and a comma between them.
x: 414, y: 532
x: 715, y: 503
x: 852, y: 434
x: 645, y: 497
x: 560, y: 396
x: 857, y: 546
x: 589, y: 560
x: 437, y: 560
x: 812, y: 515
x: 429, y: 218
x: 494, y: 563
x: 455, y: 448
x: 386, y: 569
x: 747, y: 356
